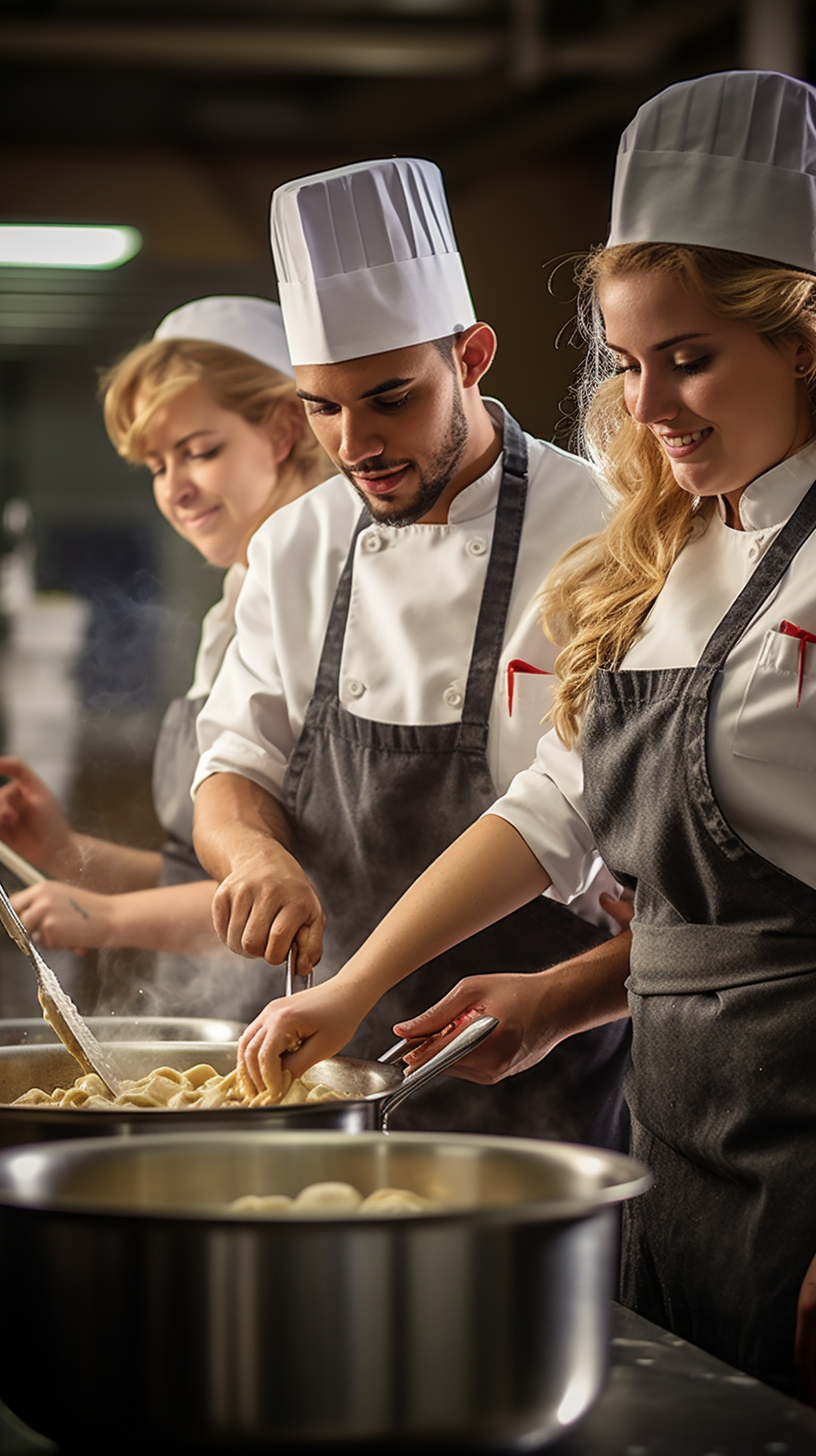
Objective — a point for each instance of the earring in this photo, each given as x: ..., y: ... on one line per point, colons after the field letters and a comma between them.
x: 801, y: 369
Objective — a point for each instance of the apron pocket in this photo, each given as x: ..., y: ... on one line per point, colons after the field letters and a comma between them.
x: 777, y: 719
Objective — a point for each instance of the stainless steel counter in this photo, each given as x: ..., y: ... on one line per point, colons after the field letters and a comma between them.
x: 663, y: 1398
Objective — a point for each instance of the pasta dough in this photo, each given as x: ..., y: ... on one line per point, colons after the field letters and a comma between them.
x: 200, y: 1087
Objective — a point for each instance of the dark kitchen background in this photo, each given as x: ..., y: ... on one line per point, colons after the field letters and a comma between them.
x: 179, y: 117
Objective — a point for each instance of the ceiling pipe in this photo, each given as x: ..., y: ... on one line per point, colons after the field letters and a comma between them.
x: 624, y: 46
x: 773, y: 37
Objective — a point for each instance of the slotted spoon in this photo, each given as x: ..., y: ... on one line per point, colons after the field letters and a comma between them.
x: 58, y: 1008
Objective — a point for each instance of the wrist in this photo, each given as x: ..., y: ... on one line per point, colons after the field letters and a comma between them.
x: 69, y: 862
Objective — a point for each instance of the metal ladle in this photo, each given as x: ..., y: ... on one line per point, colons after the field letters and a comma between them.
x: 58, y: 1008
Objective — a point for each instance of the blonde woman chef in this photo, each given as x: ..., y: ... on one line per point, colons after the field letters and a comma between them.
x: 209, y: 406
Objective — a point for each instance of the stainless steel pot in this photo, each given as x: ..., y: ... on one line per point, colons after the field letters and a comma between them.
x: 35, y: 1031
x: 377, y: 1088
x: 137, y: 1309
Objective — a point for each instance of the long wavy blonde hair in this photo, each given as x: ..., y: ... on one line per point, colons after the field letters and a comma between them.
x: 152, y: 374
x: 596, y: 597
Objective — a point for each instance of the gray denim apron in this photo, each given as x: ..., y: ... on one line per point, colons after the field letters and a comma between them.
x: 373, y: 804
x: 214, y: 983
x: 722, y: 1086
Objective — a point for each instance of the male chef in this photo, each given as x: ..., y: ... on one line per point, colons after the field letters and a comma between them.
x: 389, y: 674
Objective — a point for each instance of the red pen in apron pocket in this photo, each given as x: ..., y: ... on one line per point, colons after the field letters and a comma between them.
x: 790, y: 629
x: 517, y: 664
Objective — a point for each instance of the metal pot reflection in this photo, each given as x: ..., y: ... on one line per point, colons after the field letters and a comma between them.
x: 486, y: 1323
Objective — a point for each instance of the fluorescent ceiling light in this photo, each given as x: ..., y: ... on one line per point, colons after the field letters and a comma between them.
x: 42, y: 246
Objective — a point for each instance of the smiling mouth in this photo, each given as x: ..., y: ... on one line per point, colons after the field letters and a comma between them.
x: 191, y: 522
x: 677, y: 442
x: 381, y: 484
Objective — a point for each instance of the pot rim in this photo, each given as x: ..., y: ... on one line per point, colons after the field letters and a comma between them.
x: 633, y: 1178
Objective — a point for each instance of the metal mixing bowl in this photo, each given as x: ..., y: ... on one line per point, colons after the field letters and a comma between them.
x: 163, y: 1317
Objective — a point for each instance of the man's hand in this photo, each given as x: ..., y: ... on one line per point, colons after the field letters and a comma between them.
x: 622, y: 909
x: 264, y: 901
x: 535, y: 1012
x: 265, y: 904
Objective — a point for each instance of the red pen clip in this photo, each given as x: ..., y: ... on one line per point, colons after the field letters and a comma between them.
x: 519, y: 665
x: 790, y: 629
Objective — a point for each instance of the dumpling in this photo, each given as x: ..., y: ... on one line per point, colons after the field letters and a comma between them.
x: 333, y: 1197
x: 261, y: 1203
x: 394, y: 1200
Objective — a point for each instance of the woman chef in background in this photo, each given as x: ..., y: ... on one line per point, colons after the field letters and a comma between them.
x: 689, y: 683
x: 209, y: 406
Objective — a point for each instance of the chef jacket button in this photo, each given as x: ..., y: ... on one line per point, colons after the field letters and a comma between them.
x: 355, y: 687
x: 373, y: 541
x: 754, y: 549
x: 477, y: 546
x: 452, y: 697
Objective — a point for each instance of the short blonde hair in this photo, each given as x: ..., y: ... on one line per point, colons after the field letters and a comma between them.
x: 154, y: 373
x: 598, y: 594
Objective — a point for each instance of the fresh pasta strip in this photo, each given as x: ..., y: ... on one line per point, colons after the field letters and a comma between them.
x: 200, y: 1087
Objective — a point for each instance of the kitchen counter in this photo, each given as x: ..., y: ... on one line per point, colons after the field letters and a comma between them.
x: 663, y: 1398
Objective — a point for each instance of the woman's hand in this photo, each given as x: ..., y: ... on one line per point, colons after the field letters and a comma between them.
x: 32, y: 821
x: 61, y: 917
x: 805, y: 1343
x: 297, y: 1031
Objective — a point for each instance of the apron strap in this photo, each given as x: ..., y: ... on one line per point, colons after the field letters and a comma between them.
x: 501, y: 571
x: 495, y: 603
x: 758, y: 588
x: 327, y: 681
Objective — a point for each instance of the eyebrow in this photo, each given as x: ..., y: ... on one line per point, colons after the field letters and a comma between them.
x: 185, y: 440
x: 384, y: 388
x: 664, y: 344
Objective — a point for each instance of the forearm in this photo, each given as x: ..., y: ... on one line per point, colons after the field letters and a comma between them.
x: 264, y: 900
x: 485, y: 874
x: 234, y: 819
x: 588, y: 990
x: 171, y: 918
x: 534, y: 1012
x: 175, y: 918
x: 107, y: 868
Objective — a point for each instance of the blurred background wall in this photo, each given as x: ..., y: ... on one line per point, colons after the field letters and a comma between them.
x: 179, y: 117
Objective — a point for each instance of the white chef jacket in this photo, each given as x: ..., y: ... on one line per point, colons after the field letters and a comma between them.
x: 217, y: 631
x: 411, y: 623
x: 761, y: 745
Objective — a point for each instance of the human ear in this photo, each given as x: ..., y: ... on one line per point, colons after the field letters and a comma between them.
x: 285, y: 427
x: 474, y: 351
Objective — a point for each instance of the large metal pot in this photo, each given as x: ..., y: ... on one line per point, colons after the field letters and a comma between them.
x: 137, y: 1309
x: 377, y: 1088
x: 35, y: 1031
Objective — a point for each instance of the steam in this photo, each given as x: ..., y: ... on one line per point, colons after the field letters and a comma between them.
x: 213, y: 984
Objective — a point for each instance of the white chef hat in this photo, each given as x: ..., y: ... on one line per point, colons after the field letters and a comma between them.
x: 723, y: 161
x: 367, y: 261
x: 253, y: 325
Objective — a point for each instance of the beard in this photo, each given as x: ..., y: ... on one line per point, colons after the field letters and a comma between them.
x: 433, y: 481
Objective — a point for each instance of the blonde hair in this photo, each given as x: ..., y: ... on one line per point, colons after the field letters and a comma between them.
x: 154, y: 373
x: 596, y: 597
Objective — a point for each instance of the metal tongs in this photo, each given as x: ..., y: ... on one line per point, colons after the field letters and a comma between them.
x: 58, y: 1008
